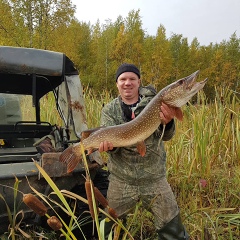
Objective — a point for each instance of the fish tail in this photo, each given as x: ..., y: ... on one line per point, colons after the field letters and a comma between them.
x: 70, y: 158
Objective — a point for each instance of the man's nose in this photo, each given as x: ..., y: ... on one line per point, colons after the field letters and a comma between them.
x: 128, y: 82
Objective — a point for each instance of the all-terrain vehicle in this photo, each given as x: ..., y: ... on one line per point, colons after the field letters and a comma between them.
x: 27, y: 77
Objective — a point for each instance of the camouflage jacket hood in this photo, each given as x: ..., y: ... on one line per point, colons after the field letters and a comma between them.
x: 126, y: 163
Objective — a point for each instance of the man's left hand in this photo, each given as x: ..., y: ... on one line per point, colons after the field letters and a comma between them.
x: 167, y: 113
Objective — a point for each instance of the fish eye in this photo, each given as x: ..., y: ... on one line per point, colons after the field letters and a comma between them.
x: 180, y: 82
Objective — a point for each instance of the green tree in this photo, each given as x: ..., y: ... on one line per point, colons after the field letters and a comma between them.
x: 127, y: 47
x: 135, y: 37
x: 195, y: 62
x: 147, y: 71
x: 80, y: 40
x: 184, y: 58
x: 35, y: 21
x: 11, y: 27
x: 175, y: 45
x: 97, y: 56
x: 97, y: 50
x: 119, y: 46
x: 232, y: 65
x: 158, y: 66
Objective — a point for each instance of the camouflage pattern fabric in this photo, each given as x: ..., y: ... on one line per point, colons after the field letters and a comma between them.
x: 132, y: 177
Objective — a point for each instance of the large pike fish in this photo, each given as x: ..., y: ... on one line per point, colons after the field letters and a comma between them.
x: 136, y: 131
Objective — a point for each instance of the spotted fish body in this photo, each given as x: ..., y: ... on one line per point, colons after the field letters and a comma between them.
x: 136, y: 131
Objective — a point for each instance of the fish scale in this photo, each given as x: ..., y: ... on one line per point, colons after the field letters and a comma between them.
x: 140, y: 128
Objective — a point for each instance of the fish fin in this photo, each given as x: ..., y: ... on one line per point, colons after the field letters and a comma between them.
x: 88, y: 132
x: 70, y: 158
x: 141, y: 147
x: 179, y: 114
x: 71, y: 165
x: 91, y: 150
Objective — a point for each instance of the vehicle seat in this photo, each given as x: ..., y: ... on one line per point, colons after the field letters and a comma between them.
x: 10, y: 114
x: 10, y: 110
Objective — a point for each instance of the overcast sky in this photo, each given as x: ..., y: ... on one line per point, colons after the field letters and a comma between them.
x: 208, y: 20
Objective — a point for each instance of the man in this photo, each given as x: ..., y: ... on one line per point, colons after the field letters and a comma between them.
x: 133, y: 177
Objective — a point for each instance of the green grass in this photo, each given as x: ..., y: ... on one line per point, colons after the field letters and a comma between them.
x: 205, y: 149
x: 206, y: 146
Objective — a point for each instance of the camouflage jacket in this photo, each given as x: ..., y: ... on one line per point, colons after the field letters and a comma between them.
x: 126, y: 163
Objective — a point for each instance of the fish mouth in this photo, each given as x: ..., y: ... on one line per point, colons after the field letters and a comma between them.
x: 180, y: 92
x: 192, y: 86
x: 190, y: 82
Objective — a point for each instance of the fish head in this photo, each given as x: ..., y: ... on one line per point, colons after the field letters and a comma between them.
x: 181, y: 91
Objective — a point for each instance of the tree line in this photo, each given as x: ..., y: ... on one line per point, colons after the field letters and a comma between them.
x: 98, y: 49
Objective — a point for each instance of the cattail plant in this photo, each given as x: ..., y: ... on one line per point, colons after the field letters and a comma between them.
x: 100, y: 198
x: 103, y: 201
x: 88, y: 189
x: 35, y: 204
x: 112, y: 213
x: 39, y: 208
x: 54, y: 223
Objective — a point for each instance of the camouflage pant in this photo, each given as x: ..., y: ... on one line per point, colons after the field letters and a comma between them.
x: 156, y: 196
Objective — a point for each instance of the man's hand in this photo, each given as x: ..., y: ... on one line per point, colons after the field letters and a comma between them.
x: 167, y: 113
x: 105, y: 146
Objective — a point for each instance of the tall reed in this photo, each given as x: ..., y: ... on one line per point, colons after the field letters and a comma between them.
x: 208, y: 136
x: 48, y: 108
x: 203, y: 162
x: 203, y: 159
x: 94, y: 103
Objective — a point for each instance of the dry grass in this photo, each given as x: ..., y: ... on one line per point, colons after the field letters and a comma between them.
x: 203, y: 164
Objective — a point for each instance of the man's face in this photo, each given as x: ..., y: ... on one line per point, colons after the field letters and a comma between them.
x: 128, y: 84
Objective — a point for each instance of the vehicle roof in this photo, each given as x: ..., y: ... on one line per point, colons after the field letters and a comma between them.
x: 22, y: 69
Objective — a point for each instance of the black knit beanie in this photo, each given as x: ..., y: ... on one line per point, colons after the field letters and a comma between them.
x: 126, y: 67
